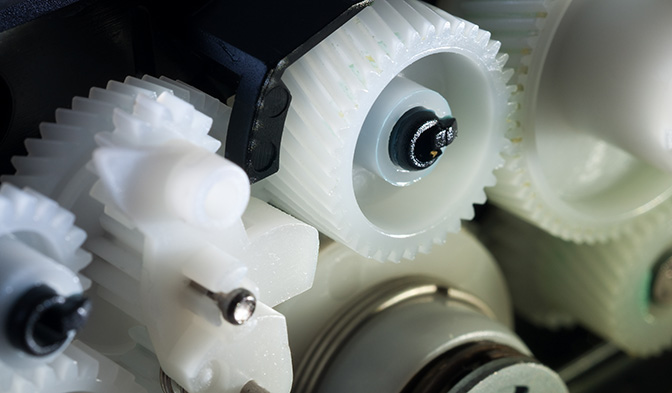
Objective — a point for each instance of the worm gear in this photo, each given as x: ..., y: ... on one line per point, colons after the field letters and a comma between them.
x: 175, y: 253
x: 575, y: 167
x: 40, y: 258
x: 618, y: 289
x: 350, y: 91
x: 77, y: 369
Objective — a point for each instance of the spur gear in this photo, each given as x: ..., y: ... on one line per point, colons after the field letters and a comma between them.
x: 77, y: 369
x: 431, y: 316
x: 179, y: 251
x: 588, y: 74
x: 353, y: 89
x: 617, y: 289
x: 42, y: 305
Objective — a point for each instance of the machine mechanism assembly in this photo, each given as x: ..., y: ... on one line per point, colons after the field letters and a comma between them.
x: 270, y: 197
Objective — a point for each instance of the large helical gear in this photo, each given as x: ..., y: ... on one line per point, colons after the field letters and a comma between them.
x: 335, y: 86
x: 607, y: 288
x: 78, y: 369
x: 572, y: 177
x: 40, y: 257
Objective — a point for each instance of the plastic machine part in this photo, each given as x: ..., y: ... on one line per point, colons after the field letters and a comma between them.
x: 436, y: 317
x: 590, y: 156
x: 619, y: 290
x: 174, y: 256
x: 349, y: 93
x: 42, y: 304
x: 78, y: 369
x: 252, y: 43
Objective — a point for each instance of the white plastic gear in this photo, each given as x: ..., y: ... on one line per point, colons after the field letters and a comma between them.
x: 163, y: 210
x: 56, y: 163
x: 571, y: 183
x: 78, y: 369
x: 43, y: 224
x: 604, y: 287
x: 335, y: 85
x: 159, y: 188
x: 40, y: 246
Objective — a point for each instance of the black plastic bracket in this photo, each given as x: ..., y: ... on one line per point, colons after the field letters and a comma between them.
x: 255, y: 42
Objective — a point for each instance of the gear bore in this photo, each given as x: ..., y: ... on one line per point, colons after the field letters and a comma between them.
x: 418, y: 138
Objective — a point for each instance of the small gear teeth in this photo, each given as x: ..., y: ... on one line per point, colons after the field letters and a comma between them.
x: 78, y: 369
x: 332, y: 89
x: 605, y: 287
x: 29, y: 211
x: 66, y: 145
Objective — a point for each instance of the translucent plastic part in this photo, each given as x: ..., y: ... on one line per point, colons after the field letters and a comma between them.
x: 372, y: 151
x: 165, y: 218
x: 590, y: 159
x: 608, y: 288
x: 324, y: 181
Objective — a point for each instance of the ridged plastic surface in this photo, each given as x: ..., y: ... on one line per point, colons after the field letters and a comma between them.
x: 604, y: 287
x: 573, y: 177
x: 334, y: 86
x: 78, y: 369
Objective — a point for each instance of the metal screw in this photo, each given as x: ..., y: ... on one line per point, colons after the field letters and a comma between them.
x: 237, y: 306
x: 661, y: 288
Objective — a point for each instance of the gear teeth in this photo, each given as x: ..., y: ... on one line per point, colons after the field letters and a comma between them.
x: 129, y: 90
x: 522, y: 27
x: 117, y: 100
x: 78, y: 369
x: 174, y: 88
x: 332, y: 89
x: 605, y: 287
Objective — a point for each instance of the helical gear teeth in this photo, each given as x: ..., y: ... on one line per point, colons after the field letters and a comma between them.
x: 524, y: 27
x: 333, y: 86
x: 605, y: 287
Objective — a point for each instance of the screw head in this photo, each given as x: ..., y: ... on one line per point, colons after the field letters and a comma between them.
x: 237, y: 306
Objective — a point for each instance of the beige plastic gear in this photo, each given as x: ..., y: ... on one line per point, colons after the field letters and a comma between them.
x: 334, y: 88
x: 604, y: 287
x: 562, y: 175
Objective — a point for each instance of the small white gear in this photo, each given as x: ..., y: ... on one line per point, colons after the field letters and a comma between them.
x: 40, y: 247
x: 56, y: 163
x: 43, y: 224
x: 163, y: 210
x: 334, y: 88
x: 605, y: 287
x: 78, y: 369
x: 566, y: 176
